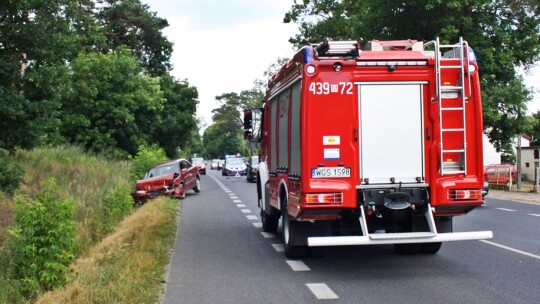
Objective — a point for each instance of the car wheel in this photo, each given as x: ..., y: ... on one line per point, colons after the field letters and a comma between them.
x: 182, y: 194
x: 197, y: 187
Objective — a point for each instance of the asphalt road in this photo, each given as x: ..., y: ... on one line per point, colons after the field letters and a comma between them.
x: 222, y: 256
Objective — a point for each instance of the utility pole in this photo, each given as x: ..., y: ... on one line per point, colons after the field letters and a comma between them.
x: 518, y: 163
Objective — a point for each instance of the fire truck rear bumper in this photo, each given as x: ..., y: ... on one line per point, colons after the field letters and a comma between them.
x: 399, y: 238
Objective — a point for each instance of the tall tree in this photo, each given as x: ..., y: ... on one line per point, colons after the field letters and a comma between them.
x: 130, y: 23
x: 178, y: 124
x: 37, y: 39
x: 113, y: 108
x: 225, y: 135
x: 504, y: 34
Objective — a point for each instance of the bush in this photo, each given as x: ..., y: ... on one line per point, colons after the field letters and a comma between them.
x: 116, y: 205
x: 42, y: 245
x: 11, y: 174
x: 145, y: 158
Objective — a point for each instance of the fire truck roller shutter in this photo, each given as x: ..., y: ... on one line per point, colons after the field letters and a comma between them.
x: 391, y: 129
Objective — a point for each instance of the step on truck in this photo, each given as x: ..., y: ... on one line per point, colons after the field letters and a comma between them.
x: 370, y: 143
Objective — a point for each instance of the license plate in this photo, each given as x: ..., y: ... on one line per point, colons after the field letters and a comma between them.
x: 324, y: 172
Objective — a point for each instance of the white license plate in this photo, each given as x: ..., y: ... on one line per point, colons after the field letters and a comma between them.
x: 324, y: 172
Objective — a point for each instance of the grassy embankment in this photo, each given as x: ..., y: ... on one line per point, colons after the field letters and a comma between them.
x: 122, y: 255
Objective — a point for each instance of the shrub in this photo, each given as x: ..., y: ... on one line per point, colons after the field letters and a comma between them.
x: 145, y: 158
x: 116, y: 205
x: 42, y: 245
x: 11, y: 174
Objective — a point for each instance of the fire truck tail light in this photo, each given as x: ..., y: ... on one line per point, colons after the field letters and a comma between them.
x: 464, y: 194
x: 323, y: 198
x: 472, y: 68
x: 310, y: 69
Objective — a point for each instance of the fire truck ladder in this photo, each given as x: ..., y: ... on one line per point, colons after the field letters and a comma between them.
x: 444, y: 91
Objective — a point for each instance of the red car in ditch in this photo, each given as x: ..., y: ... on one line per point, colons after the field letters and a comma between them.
x: 173, y: 179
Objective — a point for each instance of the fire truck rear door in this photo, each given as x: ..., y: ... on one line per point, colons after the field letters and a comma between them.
x: 391, y: 128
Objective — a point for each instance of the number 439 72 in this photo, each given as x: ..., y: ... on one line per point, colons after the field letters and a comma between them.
x: 326, y: 88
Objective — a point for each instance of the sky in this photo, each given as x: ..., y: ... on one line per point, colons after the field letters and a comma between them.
x: 223, y: 46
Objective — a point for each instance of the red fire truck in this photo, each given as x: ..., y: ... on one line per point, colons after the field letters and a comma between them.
x: 366, y: 144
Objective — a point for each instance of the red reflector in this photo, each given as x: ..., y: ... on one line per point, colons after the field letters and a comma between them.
x: 464, y: 194
x: 323, y: 198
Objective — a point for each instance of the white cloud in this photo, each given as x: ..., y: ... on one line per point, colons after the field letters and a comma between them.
x: 532, y: 80
x: 222, y: 46
x: 229, y: 52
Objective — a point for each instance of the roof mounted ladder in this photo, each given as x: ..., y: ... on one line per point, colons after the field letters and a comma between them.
x: 337, y: 49
x: 449, y: 164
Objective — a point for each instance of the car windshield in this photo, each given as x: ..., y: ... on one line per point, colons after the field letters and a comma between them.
x: 197, y: 161
x: 162, y: 170
x: 254, y: 160
x: 235, y: 161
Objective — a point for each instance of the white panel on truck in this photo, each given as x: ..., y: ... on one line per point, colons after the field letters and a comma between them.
x: 391, y: 132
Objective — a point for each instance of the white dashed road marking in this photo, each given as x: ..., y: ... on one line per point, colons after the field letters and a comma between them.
x: 534, y: 214
x: 246, y: 211
x: 237, y: 201
x: 505, y: 209
x: 298, y: 265
x: 241, y: 205
x: 322, y: 291
x: 252, y: 217
x: 512, y: 249
x: 257, y: 225
x: 278, y: 247
x: 267, y: 235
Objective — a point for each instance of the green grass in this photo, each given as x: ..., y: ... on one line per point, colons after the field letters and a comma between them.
x: 128, y: 266
x: 117, y: 262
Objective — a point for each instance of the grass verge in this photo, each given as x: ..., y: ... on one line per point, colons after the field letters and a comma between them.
x: 129, y: 265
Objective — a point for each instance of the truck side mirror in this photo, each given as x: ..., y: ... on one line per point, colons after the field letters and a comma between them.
x: 248, y: 119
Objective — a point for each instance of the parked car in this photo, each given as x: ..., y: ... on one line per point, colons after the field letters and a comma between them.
x: 221, y: 162
x: 173, y: 179
x: 233, y: 166
x: 500, y: 174
x: 199, y: 163
x: 252, y: 168
x: 214, y: 164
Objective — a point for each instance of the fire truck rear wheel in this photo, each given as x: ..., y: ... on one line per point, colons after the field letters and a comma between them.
x: 430, y: 248
x: 407, y: 248
x: 290, y: 229
x: 270, y: 223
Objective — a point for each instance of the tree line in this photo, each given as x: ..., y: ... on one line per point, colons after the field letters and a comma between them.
x: 94, y: 73
x: 97, y: 73
x: 503, y: 33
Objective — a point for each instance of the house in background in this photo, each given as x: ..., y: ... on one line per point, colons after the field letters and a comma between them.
x: 530, y: 156
x: 530, y: 160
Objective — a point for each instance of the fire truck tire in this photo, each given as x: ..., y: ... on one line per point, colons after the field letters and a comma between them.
x: 291, y: 229
x: 430, y: 248
x: 316, y: 252
x: 270, y: 223
x: 407, y: 248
